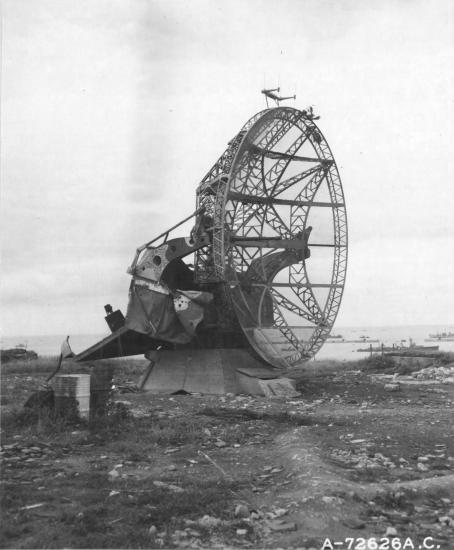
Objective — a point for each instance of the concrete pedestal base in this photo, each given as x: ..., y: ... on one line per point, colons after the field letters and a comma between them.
x: 209, y: 371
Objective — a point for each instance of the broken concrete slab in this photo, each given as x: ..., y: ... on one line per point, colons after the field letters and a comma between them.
x: 279, y: 387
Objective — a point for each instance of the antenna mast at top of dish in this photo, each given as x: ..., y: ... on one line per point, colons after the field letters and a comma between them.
x: 271, y: 94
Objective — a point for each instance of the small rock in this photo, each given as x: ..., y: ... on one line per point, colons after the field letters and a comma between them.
x: 422, y: 467
x: 279, y: 512
x: 446, y: 520
x: 153, y: 530
x: 277, y: 525
x: 354, y: 523
x: 241, y: 532
x: 170, y: 486
x: 392, y: 387
x: 113, y: 475
x: 242, y: 511
x: 178, y: 534
x: 391, y: 532
x: 208, y: 521
x: 170, y: 451
x: 329, y: 500
x: 220, y: 443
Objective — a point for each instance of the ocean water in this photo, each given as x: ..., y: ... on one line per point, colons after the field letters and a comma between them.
x: 50, y: 344
x: 387, y: 335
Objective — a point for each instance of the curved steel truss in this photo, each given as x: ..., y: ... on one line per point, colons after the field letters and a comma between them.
x: 279, y: 234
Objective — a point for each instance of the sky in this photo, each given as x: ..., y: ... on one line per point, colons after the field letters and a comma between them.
x: 114, y: 110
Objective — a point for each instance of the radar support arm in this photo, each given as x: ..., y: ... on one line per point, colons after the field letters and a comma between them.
x: 131, y: 269
x: 150, y: 261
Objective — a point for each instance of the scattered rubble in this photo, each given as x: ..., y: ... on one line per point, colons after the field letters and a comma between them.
x: 362, y: 460
x: 443, y: 374
x: 19, y: 454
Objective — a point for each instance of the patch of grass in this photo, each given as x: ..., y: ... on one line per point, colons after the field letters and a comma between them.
x: 327, y: 364
x: 123, y: 366
x: 125, y: 434
x: 377, y: 363
x: 90, y: 518
x: 134, y: 435
x: 406, y: 369
x: 44, y: 364
x: 116, y: 418
x: 117, y: 427
x: 36, y: 422
x: 446, y: 357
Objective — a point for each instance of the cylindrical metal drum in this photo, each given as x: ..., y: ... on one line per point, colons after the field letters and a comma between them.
x: 72, y: 394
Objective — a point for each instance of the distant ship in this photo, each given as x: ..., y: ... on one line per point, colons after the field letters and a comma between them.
x: 399, y: 348
x: 388, y: 349
x: 440, y: 337
x: 338, y: 339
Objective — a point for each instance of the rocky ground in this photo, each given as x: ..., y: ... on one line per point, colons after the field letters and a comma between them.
x: 362, y: 453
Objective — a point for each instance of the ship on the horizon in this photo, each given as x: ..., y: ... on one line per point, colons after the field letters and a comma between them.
x: 339, y: 339
x: 400, y: 348
x: 440, y: 337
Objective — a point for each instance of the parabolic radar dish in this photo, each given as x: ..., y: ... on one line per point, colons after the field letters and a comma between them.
x: 279, y: 234
x: 268, y: 249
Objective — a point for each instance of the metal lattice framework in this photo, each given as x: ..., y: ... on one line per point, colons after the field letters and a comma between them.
x: 274, y: 178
